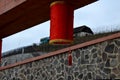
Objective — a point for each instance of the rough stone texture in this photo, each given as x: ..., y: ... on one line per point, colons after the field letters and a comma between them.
x: 18, y: 57
x: 99, y: 61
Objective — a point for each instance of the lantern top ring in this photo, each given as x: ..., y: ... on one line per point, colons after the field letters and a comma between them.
x: 57, y: 2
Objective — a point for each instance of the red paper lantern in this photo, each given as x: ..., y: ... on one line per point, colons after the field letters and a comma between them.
x: 61, y: 24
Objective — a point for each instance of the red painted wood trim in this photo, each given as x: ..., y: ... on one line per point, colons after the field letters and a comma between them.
x: 113, y: 36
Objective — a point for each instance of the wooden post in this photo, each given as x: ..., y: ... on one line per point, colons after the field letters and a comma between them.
x: 0, y: 50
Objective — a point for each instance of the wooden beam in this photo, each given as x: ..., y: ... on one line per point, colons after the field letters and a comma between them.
x: 29, y: 14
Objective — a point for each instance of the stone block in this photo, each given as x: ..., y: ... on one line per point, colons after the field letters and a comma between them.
x: 113, y: 63
x: 104, y: 56
x: 110, y: 48
x: 107, y: 70
x: 107, y: 64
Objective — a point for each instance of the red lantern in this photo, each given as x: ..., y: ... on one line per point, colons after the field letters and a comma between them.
x: 61, y: 24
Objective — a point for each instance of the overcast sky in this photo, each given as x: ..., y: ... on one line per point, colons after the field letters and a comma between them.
x: 103, y: 15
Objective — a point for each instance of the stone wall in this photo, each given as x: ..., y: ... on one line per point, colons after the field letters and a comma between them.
x: 99, y: 61
x: 19, y: 57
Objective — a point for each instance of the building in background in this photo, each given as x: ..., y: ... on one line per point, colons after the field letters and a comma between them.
x: 44, y: 40
x: 82, y: 31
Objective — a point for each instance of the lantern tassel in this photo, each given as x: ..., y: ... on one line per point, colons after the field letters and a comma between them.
x: 69, y: 59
